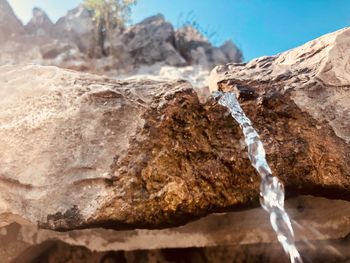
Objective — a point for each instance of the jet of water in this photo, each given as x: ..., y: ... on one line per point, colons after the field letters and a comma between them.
x: 271, y: 188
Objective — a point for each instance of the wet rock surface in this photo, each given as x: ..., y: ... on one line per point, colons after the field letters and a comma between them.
x: 299, y: 103
x: 150, y: 154
x: 98, y: 152
x: 85, y: 151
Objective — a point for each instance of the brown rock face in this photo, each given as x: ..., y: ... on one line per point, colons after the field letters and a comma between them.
x: 83, y: 151
x: 80, y: 150
x: 299, y: 102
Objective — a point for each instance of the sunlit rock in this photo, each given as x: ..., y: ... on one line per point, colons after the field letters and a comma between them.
x: 9, y: 23
x: 40, y: 23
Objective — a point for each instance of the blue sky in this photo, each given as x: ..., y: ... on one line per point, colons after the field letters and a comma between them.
x: 258, y: 27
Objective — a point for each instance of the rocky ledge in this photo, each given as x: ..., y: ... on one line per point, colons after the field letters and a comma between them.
x: 71, y: 43
x: 80, y: 150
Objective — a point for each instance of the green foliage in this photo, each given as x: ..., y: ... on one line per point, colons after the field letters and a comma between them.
x: 110, y: 13
x: 189, y: 19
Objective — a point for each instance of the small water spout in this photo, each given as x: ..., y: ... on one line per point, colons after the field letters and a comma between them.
x: 271, y: 188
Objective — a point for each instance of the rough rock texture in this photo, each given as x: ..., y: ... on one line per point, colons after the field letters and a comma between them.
x: 315, y: 219
x: 299, y: 102
x: 78, y: 27
x: 109, y: 153
x: 330, y: 251
x: 71, y: 43
x: 196, y: 49
x: 9, y: 23
x: 315, y: 76
x: 196, y: 75
x: 120, y: 154
x: 151, y: 41
x: 40, y: 23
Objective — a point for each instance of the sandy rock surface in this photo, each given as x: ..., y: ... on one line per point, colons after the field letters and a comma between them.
x: 82, y: 150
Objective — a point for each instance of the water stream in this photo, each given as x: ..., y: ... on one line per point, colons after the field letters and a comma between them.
x: 271, y: 188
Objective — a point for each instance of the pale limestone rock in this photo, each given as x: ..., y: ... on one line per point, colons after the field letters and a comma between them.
x: 316, y: 75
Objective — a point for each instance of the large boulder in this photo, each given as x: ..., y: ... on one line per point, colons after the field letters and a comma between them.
x: 197, y: 49
x: 152, y: 41
x: 83, y: 151
x: 40, y: 23
x: 77, y: 26
x: 315, y: 77
x: 9, y: 23
x: 232, y: 52
x: 246, y: 236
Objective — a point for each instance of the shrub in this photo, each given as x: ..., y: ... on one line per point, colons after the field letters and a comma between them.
x: 108, y: 15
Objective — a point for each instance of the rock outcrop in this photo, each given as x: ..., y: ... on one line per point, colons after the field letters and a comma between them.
x: 196, y: 49
x: 152, y: 41
x: 315, y: 76
x: 78, y: 27
x: 333, y: 251
x: 144, y: 153
x: 40, y: 24
x: 84, y: 151
x: 124, y: 51
x: 245, y: 236
x: 9, y: 23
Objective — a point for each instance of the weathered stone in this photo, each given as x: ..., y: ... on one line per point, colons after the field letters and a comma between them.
x: 315, y: 219
x: 299, y: 101
x: 315, y: 76
x: 40, y: 24
x: 231, y: 51
x: 197, y: 49
x: 78, y: 27
x: 98, y: 152
x: 330, y: 251
x: 124, y: 51
x: 152, y: 41
x: 9, y: 23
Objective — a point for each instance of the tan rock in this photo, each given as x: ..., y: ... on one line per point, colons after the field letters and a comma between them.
x: 9, y: 23
x: 316, y: 76
x: 320, y: 224
x: 80, y: 150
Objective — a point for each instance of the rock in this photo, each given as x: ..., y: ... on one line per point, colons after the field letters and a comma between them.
x: 40, y: 24
x: 149, y: 154
x: 300, y: 96
x: 322, y: 222
x: 196, y: 49
x: 193, y: 74
x: 232, y: 52
x: 332, y: 251
x: 54, y: 49
x: 78, y: 27
x: 152, y: 41
x: 9, y: 23
x: 192, y: 45
x: 315, y: 76
x: 94, y: 150
x: 148, y: 43
x: 21, y: 49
